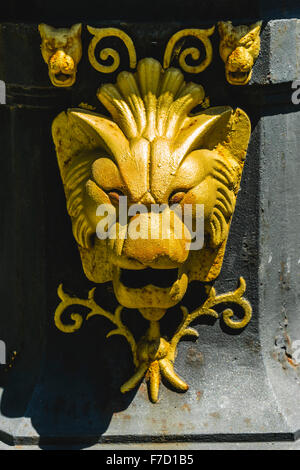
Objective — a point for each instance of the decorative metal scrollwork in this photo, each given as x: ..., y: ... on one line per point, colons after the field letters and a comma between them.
x: 203, y: 36
x: 153, y: 355
x: 105, y: 54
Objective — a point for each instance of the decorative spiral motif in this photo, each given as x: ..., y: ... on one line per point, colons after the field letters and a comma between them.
x: 203, y: 36
x: 100, y: 33
x: 236, y: 298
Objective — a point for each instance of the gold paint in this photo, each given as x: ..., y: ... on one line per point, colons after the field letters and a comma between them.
x: 153, y: 150
x: 154, y: 356
x: 100, y: 33
x: 173, y: 49
x: 61, y: 50
x: 239, y: 49
x: 154, y: 381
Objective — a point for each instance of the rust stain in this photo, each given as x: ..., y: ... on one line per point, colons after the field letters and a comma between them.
x: 275, y: 355
x: 164, y: 428
x: 215, y: 415
x: 284, y: 277
x: 290, y: 361
x: 283, y: 343
x: 194, y: 356
x: 186, y: 407
x: 143, y: 387
x: 126, y: 417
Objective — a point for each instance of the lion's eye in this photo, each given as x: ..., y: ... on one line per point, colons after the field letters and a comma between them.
x: 114, y: 195
x: 176, y: 197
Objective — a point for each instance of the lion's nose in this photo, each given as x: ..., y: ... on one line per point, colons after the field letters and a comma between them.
x: 157, y: 240
x: 61, y: 62
x: 240, y: 60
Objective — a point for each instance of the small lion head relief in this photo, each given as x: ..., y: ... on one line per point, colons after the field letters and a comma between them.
x: 239, y: 49
x: 154, y: 151
x: 61, y: 50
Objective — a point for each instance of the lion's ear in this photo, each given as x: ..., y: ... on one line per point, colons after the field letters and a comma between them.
x: 45, y: 30
x: 80, y: 138
x: 76, y: 29
x: 237, y: 136
x: 251, y: 40
x: 255, y: 29
x: 225, y: 28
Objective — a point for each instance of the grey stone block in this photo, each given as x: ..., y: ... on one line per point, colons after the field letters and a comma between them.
x: 279, y: 59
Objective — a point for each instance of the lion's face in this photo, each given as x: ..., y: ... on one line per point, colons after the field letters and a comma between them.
x: 239, y: 48
x: 161, y: 255
x: 178, y: 162
x: 62, y: 51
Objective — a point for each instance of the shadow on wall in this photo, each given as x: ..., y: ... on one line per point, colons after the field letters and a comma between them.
x: 68, y: 385
x: 76, y: 390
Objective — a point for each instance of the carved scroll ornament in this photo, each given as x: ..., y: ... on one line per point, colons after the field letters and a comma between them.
x: 105, y: 54
x: 202, y: 35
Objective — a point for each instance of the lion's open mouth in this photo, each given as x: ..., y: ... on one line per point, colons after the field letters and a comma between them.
x: 239, y: 78
x: 148, y: 288
x: 62, y: 77
x: 137, y: 279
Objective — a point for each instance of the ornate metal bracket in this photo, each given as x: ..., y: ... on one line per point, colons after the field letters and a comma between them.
x: 153, y: 355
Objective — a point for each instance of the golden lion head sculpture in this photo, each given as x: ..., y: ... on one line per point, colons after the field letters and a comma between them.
x: 61, y: 50
x: 239, y: 49
x: 153, y: 151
